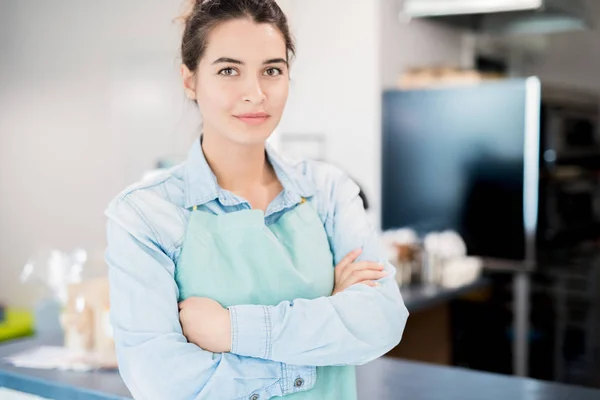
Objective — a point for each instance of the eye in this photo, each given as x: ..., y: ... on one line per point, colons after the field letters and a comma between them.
x: 273, y: 72
x: 228, y: 72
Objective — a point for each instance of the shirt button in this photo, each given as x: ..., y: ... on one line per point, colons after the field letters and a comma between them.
x: 254, y: 397
x: 299, y: 382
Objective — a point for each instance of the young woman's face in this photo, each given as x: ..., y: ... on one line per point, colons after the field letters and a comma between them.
x: 242, y: 82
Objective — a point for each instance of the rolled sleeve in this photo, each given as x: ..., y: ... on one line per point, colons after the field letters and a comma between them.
x: 255, y: 323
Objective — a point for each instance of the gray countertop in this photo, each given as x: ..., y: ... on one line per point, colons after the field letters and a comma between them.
x: 55, y: 384
x: 391, y: 379
x: 383, y: 379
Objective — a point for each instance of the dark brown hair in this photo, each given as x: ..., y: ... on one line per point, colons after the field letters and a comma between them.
x: 207, y: 14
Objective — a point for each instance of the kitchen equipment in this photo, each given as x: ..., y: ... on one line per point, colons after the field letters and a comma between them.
x: 85, y: 320
x: 505, y: 17
x: 465, y: 159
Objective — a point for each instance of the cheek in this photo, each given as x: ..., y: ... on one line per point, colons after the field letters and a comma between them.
x: 278, y: 94
x: 218, y: 97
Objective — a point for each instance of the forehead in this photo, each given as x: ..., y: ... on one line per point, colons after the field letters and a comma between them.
x: 246, y: 41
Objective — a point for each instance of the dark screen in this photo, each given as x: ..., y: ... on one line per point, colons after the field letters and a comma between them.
x: 454, y: 159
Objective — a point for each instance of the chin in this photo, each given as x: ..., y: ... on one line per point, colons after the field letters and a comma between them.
x: 254, y: 138
x: 252, y: 135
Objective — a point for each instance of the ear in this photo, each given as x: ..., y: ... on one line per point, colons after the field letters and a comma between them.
x: 189, y: 82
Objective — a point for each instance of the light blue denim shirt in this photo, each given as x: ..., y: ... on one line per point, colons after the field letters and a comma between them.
x: 146, y: 228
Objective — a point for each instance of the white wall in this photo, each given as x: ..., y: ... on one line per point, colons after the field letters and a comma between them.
x: 89, y: 98
x: 418, y: 43
x: 336, y: 87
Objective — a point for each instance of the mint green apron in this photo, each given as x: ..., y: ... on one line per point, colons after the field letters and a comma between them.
x: 236, y: 259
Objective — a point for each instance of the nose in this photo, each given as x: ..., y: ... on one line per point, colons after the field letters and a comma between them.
x: 253, y: 92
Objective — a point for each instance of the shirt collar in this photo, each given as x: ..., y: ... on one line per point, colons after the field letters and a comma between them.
x: 201, y: 183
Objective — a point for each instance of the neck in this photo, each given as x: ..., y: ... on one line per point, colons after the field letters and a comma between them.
x: 237, y: 167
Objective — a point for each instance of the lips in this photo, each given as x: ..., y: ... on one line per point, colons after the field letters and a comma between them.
x: 253, y: 115
x: 253, y: 118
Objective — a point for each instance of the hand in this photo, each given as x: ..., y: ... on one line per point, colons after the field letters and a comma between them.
x: 206, y: 324
x: 348, y: 272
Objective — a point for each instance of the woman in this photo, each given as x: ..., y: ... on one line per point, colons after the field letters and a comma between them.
x: 238, y: 274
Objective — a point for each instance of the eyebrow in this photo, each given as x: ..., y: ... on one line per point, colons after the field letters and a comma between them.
x: 234, y: 61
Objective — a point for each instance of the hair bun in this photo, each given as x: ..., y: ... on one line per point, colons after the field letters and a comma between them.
x: 188, y: 9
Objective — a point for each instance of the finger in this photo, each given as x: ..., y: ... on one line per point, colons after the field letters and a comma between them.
x: 367, y: 265
x: 364, y: 275
x: 349, y: 259
x: 360, y: 266
x: 370, y: 283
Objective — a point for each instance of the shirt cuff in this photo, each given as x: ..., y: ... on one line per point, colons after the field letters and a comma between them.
x: 251, y: 331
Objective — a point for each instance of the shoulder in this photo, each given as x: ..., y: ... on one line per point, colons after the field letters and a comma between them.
x: 328, y: 185
x: 153, y: 208
x: 331, y: 183
x: 336, y: 199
